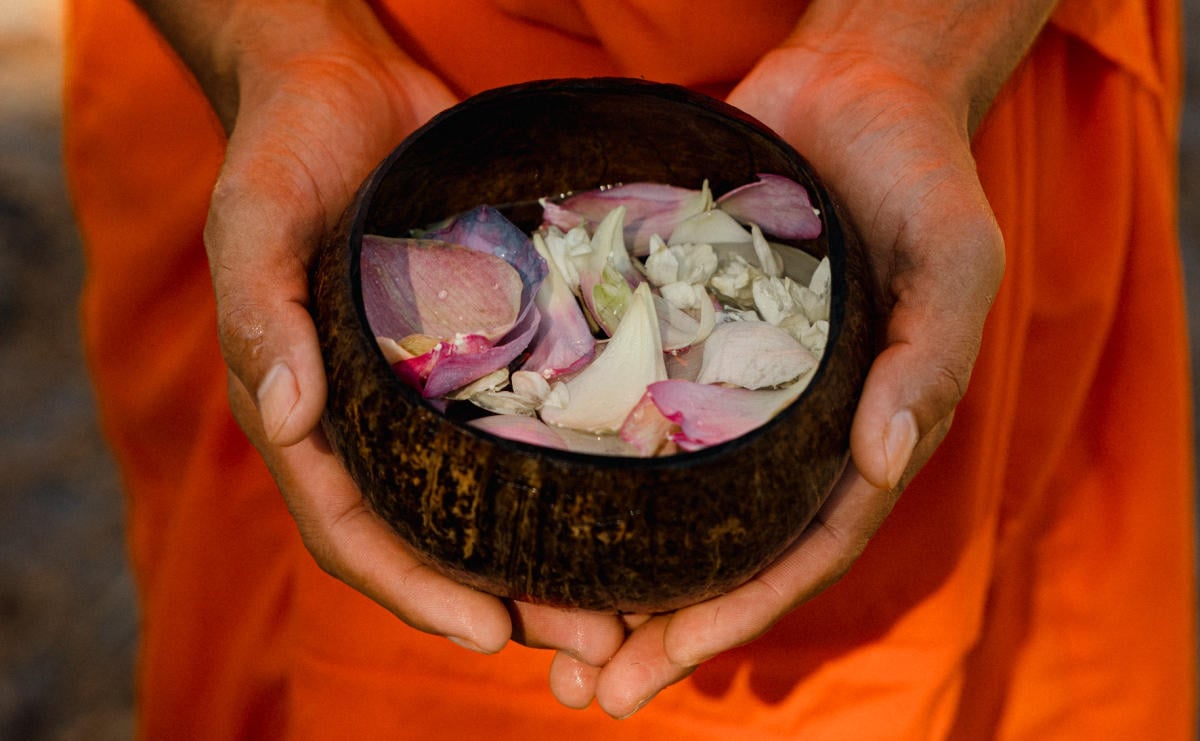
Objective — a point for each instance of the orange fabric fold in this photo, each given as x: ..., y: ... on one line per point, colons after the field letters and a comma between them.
x: 1034, y: 582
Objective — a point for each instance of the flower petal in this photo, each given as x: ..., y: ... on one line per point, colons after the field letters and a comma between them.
x: 753, y: 355
x: 416, y: 286
x: 653, y: 208
x: 453, y: 370
x: 709, y: 415
x: 564, y: 341
x: 487, y: 230
x: 711, y: 227
x: 535, y: 432
x: 602, y: 394
x: 779, y: 205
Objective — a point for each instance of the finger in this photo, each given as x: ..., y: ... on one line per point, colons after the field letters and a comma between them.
x: 259, y: 251
x: 589, y: 637
x: 351, y: 543
x: 819, y: 557
x: 639, y: 671
x: 573, y: 682
x: 942, y: 292
x: 631, y: 621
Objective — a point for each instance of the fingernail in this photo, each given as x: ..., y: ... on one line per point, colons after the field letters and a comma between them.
x: 641, y: 704
x: 467, y: 644
x: 277, y: 396
x: 898, y: 443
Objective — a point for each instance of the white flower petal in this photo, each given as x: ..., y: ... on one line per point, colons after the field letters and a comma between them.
x: 604, y: 393
x: 753, y: 355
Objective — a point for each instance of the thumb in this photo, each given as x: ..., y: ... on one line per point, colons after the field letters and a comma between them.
x: 941, y: 293
x: 259, y: 253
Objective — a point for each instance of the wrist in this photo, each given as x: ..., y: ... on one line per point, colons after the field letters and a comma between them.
x: 958, y: 53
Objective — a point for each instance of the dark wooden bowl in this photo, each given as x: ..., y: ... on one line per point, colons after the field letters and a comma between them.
x: 594, y: 532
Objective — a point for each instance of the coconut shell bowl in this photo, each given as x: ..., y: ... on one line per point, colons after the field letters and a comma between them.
x: 596, y: 532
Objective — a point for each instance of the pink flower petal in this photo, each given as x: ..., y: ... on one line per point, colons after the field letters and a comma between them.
x: 485, y: 229
x: 466, y: 364
x: 646, y: 428
x: 416, y: 286
x: 564, y: 342
x: 709, y: 415
x: 652, y: 208
x: 780, y: 206
x: 522, y: 429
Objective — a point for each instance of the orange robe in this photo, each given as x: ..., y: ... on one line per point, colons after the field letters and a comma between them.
x: 1034, y: 582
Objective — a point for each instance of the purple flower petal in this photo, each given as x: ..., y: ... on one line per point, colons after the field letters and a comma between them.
x: 780, y: 206
x: 457, y: 369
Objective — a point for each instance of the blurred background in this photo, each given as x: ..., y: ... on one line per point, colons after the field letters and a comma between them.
x: 67, y: 609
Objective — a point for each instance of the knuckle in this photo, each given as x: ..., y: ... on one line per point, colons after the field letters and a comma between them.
x: 242, y: 330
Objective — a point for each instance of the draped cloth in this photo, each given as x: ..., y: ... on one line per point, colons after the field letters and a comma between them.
x: 1034, y: 582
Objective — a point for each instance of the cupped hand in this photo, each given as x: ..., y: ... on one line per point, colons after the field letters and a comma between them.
x: 896, y: 153
x: 315, y: 109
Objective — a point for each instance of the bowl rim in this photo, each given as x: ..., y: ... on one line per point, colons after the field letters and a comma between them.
x: 833, y: 234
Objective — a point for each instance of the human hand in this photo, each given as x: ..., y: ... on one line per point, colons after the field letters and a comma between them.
x: 313, y: 96
x: 890, y: 135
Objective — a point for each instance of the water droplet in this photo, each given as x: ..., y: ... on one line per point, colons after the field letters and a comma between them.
x: 442, y: 293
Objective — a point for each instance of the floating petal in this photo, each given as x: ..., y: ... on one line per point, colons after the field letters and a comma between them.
x: 456, y: 369
x: 535, y: 432
x: 487, y: 230
x: 602, y: 394
x: 522, y: 429
x: 779, y: 205
x: 709, y: 415
x: 647, y: 429
x: 564, y: 341
x: 653, y: 208
x: 769, y: 262
x: 604, y: 288
x: 414, y: 286
x: 753, y: 355
x: 711, y: 227
x: 773, y: 298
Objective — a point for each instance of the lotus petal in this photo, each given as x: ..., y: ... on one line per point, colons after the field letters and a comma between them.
x: 605, y: 290
x: 769, y: 262
x: 487, y: 230
x: 413, y: 286
x: 711, y: 227
x: 686, y: 263
x: 779, y: 205
x: 535, y: 432
x: 734, y: 280
x: 522, y: 429
x: 492, y: 382
x: 564, y: 248
x: 652, y: 208
x: 753, y: 355
x: 564, y: 341
x: 774, y: 298
x: 459, y: 366
x: 601, y: 396
x: 708, y: 415
x: 647, y: 429
x: 677, y: 328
